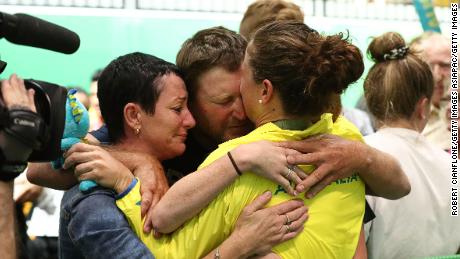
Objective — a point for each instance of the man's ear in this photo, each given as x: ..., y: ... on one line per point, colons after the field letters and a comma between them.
x: 132, y: 115
x: 266, y: 91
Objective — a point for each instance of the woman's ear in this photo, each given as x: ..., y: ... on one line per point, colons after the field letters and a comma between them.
x: 132, y: 116
x: 266, y: 93
x: 422, y: 108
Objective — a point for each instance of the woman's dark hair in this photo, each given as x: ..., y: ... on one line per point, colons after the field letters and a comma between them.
x: 135, y: 78
x: 397, y: 80
x: 307, y: 69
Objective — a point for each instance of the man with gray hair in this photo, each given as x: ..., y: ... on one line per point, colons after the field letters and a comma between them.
x: 435, y: 50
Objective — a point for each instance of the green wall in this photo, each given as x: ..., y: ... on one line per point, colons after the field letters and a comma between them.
x: 104, y: 37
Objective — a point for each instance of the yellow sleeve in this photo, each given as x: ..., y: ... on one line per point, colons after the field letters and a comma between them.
x: 344, y: 128
x: 130, y: 205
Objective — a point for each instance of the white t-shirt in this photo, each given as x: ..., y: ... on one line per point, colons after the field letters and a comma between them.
x: 419, y: 224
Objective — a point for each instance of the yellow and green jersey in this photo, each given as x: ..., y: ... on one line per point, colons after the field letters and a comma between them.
x: 335, y: 214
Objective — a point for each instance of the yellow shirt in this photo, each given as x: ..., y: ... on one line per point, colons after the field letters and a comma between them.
x: 335, y: 214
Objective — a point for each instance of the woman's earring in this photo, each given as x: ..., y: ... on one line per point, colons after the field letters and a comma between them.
x: 260, y: 101
x: 138, y: 130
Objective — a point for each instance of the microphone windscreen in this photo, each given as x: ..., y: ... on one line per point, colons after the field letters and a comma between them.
x: 35, y: 32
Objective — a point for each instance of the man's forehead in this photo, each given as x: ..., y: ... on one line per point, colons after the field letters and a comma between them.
x: 219, y: 81
x: 438, y: 53
x: 431, y: 52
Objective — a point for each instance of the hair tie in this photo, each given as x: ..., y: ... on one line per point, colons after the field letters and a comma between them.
x: 396, y: 53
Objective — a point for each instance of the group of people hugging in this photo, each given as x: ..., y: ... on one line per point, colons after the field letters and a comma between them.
x: 240, y: 150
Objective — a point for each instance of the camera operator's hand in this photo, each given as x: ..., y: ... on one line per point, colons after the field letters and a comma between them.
x: 22, y: 125
x: 15, y: 95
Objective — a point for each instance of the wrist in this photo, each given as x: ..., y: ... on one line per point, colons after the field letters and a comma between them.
x: 242, y: 159
x: 234, y: 247
x: 367, y: 155
x: 127, y: 190
x: 122, y: 183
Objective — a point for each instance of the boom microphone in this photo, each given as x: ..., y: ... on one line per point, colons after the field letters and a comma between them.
x: 31, y: 31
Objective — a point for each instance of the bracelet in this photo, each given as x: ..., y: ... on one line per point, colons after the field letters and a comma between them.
x: 217, y: 254
x: 238, y: 171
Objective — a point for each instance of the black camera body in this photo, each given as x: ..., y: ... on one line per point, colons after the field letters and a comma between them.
x: 42, y: 132
x: 50, y: 102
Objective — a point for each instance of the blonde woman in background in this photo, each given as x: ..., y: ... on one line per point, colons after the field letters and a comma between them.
x: 398, y: 91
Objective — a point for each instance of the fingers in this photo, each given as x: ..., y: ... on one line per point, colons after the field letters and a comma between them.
x: 148, y: 225
x: 292, y: 175
x: 298, y: 223
x: 31, y: 94
x: 259, y: 202
x: 305, y: 159
x: 295, y: 228
x: 291, y: 152
x: 81, y: 147
x: 308, y: 145
x: 315, y: 189
x: 13, y: 79
x: 156, y: 234
x: 313, y: 178
x: 287, y: 206
x: 284, y: 182
x: 295, y: 215
x: 300, y: 173
x: 156, y: 198
x: 146, y: 201
x: 14, y: 93
x: 82, y: 169
x: 77, y: 158
x: 291, y: 234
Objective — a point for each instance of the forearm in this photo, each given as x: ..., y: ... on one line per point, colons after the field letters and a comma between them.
x: 131, y: 160
x: 383, y: 175
x: 232, y: 247
x: 7, y: 222
x: 361, y: 249
x: 191, y: 194
x: 44, y: 175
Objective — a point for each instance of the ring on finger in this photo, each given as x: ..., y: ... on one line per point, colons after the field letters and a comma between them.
x: 288, y: 228
x: 289, y: 173
x: 288, y: 220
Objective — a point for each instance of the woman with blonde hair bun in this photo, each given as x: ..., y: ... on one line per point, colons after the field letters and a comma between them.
x: 398, y: 90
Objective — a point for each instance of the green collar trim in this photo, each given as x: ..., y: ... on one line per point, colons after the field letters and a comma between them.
x: 292, y: 124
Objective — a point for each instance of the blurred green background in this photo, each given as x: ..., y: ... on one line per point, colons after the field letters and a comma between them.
x: 104, y: 38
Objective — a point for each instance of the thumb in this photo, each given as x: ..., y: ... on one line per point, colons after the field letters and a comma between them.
x: 31, y: 94
x: 259, y: 202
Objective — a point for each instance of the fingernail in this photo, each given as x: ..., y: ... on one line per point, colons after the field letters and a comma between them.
x: 267, y: 193
x: 310, y: 195
x: 296, y: 193
x: 300, y: 188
